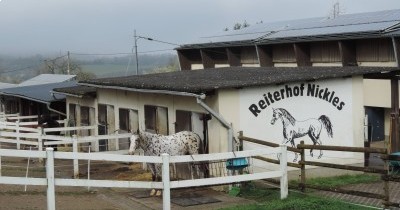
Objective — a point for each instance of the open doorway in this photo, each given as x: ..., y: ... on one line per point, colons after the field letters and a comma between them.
x: 128, y: 123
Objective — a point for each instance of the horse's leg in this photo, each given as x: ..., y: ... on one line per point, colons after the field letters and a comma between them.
x: 320, y: 151
x: 153, y: 176
x: 159, y: 178
x: 314, y: 139
x: 295, y: 154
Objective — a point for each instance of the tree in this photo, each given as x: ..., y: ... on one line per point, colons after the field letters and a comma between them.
x: 60, y: 66
x: 238, y: 26
x: 173, y: 65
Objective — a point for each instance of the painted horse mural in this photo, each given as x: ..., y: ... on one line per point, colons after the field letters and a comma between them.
x: 293, y: 128
x: 181, y: 143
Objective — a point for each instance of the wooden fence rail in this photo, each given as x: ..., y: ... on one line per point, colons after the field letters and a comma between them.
x: 383, y: 153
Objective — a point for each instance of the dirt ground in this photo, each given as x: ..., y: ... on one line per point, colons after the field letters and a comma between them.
x: 75, y: 198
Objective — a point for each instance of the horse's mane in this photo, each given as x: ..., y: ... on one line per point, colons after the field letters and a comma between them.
x: 287, y: 115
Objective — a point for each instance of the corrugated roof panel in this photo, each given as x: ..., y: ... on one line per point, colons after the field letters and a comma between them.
x: 38, y: 93
x: 233, y: 77
x: 342, y: 29
x: 47, y: 78
x: 6, y: 85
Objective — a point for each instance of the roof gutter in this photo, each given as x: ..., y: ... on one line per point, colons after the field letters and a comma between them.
x: 199, y: 98
x: 168, y: 92
x: 66, y: 94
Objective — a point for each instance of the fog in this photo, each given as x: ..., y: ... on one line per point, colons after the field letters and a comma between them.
x: 106, y: 26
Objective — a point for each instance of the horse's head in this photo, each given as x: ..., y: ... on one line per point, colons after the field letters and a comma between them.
x: 275, y: 115
x: 134, y: 143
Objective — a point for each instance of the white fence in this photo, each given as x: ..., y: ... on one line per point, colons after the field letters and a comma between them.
x: 50, y: 181
x: 16, y: 133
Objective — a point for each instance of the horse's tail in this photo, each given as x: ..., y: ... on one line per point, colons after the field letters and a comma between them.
x: 201, y: 144
x: 327, y: 123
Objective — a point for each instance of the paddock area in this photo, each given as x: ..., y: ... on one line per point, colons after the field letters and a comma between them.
x: 102, y: 198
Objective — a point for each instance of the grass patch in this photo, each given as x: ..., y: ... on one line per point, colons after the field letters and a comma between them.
x: 270, y: 199
x: 343, y: 180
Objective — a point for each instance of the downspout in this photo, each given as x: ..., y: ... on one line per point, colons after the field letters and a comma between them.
x: 220, y: 119
x: 56, y: 111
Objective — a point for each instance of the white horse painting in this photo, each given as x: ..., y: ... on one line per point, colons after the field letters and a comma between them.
x: 181, y: 143
x: 293, y: 129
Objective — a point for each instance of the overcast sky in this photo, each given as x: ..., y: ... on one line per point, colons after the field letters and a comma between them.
x: 106, y: 26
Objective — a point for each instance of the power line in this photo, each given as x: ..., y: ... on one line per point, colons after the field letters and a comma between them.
x: 122, y: 53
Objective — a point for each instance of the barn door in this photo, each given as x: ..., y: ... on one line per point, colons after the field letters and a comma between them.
x: 102, y: 126
x: 192, y: 121
x: 183, y: 121
x: 162, y: 120
x: 128, y: 122
x: 156, y: 119
x: 376, y: 129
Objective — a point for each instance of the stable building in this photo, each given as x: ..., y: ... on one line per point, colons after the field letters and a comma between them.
x: 33, y: 96
x: 218, y: 103
x: 362, y: 40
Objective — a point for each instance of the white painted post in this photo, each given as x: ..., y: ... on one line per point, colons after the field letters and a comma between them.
x: 166, y: 182
x: 27, y: 167
x: 74, y: 153
x: 51, y: 193
x: 283, y: 167
x: 66, y: 125
x: 40, y: 141
x: 18, y: 138
x: 88, y: 169
x: 0, y: 161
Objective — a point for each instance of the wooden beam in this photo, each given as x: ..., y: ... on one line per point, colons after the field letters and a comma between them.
x: 394, y: 146
x: 396, y: 48
x: 184, y: 62
x: 302, y: 53
x: 207, y: 60
x: 264, y: 55
x: 347, y: 51
x: 233, y: 56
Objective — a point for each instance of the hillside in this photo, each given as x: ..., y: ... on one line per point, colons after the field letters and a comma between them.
x: 16, y: 69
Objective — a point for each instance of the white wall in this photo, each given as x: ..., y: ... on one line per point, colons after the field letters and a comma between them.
x: 346, y: 115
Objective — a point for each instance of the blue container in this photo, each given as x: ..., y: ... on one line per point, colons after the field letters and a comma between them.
x: 236, y: 163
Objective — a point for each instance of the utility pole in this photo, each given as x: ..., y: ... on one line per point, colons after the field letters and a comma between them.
x: 68, y: 70
x: 137, y: 60
x: 136, y: 37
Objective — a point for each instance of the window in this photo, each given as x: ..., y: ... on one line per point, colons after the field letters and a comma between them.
x: 156, y: 119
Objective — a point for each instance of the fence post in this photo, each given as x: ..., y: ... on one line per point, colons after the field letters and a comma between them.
x: 75, y: 152
x: 240, y: 141
x: 51, y: 194
x: 386, y: 192
x: 0, y: 160
x: 18, y: 138
x: 40, y: 141
x: 166, y: 182
x: 303, y: 169
x: 284, y: 177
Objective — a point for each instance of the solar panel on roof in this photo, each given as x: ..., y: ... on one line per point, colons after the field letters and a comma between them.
x: 371, y: 22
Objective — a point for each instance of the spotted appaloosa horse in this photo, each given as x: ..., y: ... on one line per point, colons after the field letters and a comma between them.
x: 181, y: 143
